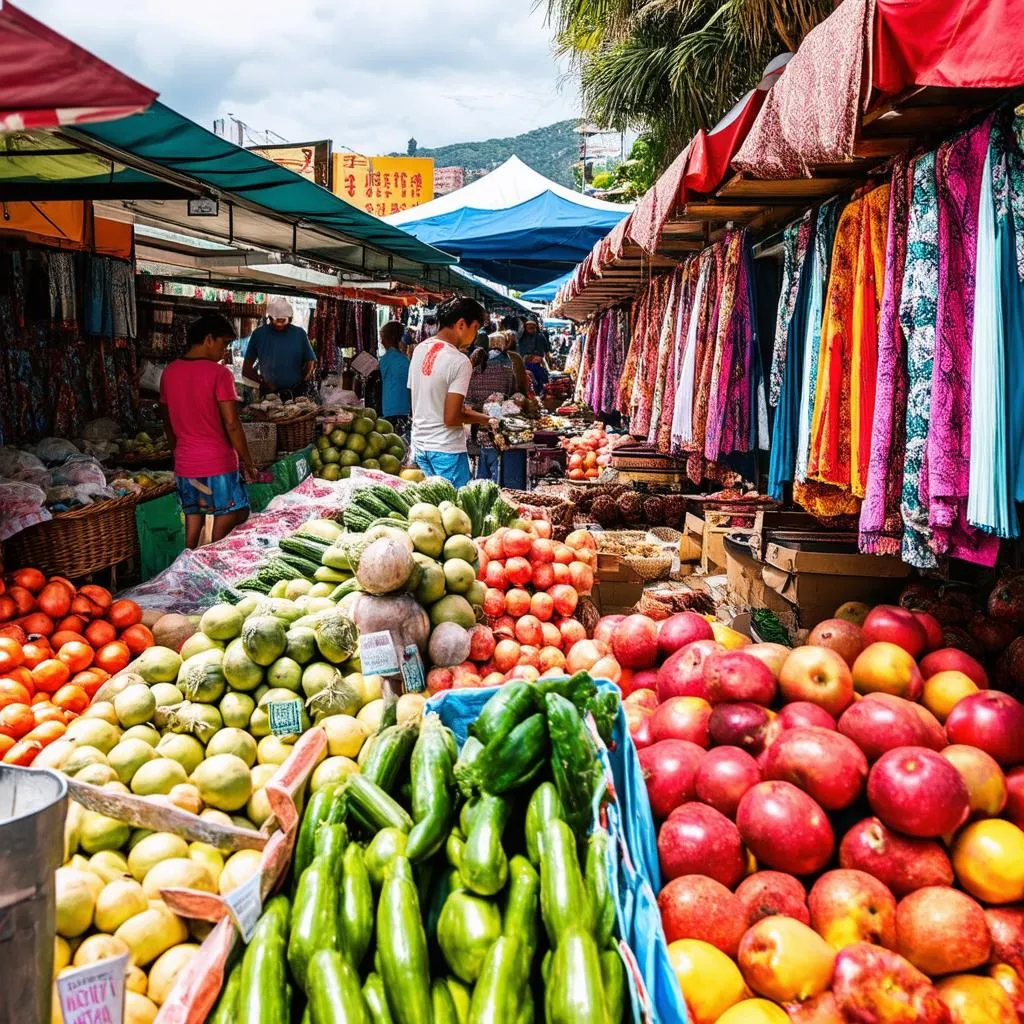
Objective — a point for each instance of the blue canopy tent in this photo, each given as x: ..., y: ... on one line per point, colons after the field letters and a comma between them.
x: 546, y: 292
x: 514, y: 225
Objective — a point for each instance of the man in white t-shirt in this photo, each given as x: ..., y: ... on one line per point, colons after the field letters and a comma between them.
x: 439, y: 375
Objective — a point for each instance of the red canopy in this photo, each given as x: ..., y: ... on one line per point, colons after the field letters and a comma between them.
x: 46, y: 80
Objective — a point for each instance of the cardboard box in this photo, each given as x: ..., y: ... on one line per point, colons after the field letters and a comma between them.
x: 747, y: 587
x: 709, y: 531
x: 816, y: 582
x: 617, y: 587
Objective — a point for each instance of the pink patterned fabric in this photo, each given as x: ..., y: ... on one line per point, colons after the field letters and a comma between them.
x: 811, y: 114
x: 959, y: 166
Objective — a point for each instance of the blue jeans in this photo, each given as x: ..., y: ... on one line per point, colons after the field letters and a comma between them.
x: 487, y: 464
x: 453, y: 466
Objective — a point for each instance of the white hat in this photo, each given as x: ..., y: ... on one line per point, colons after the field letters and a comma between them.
x: 280, y: 308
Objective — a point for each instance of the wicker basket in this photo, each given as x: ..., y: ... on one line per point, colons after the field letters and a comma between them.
x: 79, y: 542
x: 555, y: 510
x: 262, y: 441
x: 667, y: 534
x: 296, y: 433
x: 159, y: 491
x: 650, y: 567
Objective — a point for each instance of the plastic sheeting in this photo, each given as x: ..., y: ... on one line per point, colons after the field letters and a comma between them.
x: 632, y: 862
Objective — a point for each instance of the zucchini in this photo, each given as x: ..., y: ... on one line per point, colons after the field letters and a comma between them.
x: 511, y: 758
x: 376, y: 999
x: 373, y: 808
x: 613, y: 975
x: 402, y: 947
x: 391, y: 749
x: 465, y: 771
x: 512, y: 704
x: 355, y: 912
x: 501, y: 983
x: 226, y: 1010
x: 334, y: 991
x: 314, y: 917
x: 520, y: 918
x: 432, y: 805
x: 573, y: 762
x: 575, y: 989
x: 317, y: 810
x: 544, y: 806
x: 602, y: 906
x: 442, y: 1002
x: 263, y: 987
x: 483, y: 864
x: 563, y: 897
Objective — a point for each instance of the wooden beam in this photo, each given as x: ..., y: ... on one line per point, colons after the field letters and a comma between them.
x: 792, y: 190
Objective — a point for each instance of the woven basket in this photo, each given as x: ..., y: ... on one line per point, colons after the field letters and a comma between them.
x: 159, y: 491
x: 79, y: 542
x: 667, y: 534
x: 650, y: 567
x: 262, y: 441
x: 296, y: 433
x: 619, y: 540
x: 555, y: 510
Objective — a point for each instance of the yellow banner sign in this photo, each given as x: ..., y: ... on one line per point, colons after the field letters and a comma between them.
x: 383, y: 185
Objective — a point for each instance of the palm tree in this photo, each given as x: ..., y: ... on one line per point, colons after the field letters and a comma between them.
x: 670, y: 67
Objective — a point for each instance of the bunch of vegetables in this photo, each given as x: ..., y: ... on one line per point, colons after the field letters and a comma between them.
x: 367, y: 441
x: 440, y: 886
x: 58, y: 646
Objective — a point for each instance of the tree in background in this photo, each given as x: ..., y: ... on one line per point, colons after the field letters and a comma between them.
x: 412, y: 147
x: 671, y: 67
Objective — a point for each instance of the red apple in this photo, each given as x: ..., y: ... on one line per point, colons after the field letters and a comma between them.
x: 802, y: 713
x: 882, y: 722
x: 643, y: 679
x: 768, y: 893
x: 681, y: 629
x: 606, y: 626
x: 642, y: 699
x: 1006, y: 927
x: 785, y: 828
x: 698, y: 840
x: 873, y: 984
x: 933, y: 735
x: 849, y: 906
x: 927, y: 922
x: 670, y: 771
x: 635, y: 642
x: 932, y: 630
x: 918, y: 792
x: 949, y: 659
x: 682, y: 718
x: 825, y: 764
x: 1011, y: 983
x: 900, y: 863
x: 821, y: 1009
x: 883, y: 667
x: 839, y: 635
x: 682, y: 674
x: 895, y: 625
x: 773, y: 655
x: 1015, y: 796
x: 724, y: 775
x: 736, y: 676
x: 986, y: 784
x: 739, y: 725
x: 991, y: 721
x: 439, y: 679
x: 698, y: 907
x: 481, y: 643
x: 640, y: 731
x: 818, y: 676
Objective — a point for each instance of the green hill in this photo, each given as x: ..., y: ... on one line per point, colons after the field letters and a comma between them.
x: 551, y: 151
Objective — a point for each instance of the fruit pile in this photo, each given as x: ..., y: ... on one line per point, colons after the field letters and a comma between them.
x: 589, y: 453
x: 441, y: 885
x: 841, y: 825
x: 368, y: 441
x: 58, y: 646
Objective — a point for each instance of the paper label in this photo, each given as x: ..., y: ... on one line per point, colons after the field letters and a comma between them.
x: 245, y: 905
x: 94, y: 994
x: 302, y: 468
x: 377, y: 654
x: 412, y: 670
x: 285, y: 717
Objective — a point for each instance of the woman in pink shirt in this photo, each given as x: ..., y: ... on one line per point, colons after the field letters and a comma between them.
x: 200, y: 414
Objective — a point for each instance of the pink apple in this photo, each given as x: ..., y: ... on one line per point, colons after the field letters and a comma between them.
x: 785, y: 828
x: 899, y: 862
x: 918, y: 792
x: 698, y: 840
x: 773, y: 655
x: 635, y: 642
x: 605, y: 627
x: 724, y: 775
x: 825, y: 764
x: 839, y: 635
x: 802, y: 713
x: 986, y: 784
x: 739, y: 725
x: 733, y: 676
x: 887, y: 668
x: 881, y: 722
x: 895, y: 625
x: 670, y: 771
x: 926, y: 922
x: 681, y: 629
x: 641, y: 699
x: 1015, y: 796
x: 682, y: 718
x: 768, y: 893
x: 951, y: 659
x: 818, y: 676
x: 991, y: 721
x: 871, y: 983
x: 932, y: 630
x: 682, y: 674
x: 850, y: 906
x: 698, y: 907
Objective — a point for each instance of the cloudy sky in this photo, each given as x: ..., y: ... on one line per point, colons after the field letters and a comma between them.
x: 366, y: 73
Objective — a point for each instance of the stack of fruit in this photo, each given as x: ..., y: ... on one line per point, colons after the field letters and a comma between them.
x: 367, y: 441
x: 589, y: 453
x: 58, y: 646
x: 858, y: 848
x: 447, y: 886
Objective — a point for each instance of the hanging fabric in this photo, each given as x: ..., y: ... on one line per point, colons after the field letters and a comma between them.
x: 682, y: 416
x: 959, y: 168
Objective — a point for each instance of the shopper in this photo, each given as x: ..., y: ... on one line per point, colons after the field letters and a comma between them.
x: 534, y: 342
x: 200, y: 413
x: 439, y: 375
x: 492, y: 381
x: 394, y: 378
x: 282, y: 352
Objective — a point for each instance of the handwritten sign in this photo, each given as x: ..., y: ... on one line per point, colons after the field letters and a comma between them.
x: 412, y: 670
x: 383, y: 185
x: 285, y: 717
x: 245, y: 905
x: 94, y: 994
x: 377, y: 654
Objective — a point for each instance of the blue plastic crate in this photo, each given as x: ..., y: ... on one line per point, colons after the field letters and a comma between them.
x: 633, y: 869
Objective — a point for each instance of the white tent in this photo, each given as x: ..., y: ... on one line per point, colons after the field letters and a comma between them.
x: 508, y: 185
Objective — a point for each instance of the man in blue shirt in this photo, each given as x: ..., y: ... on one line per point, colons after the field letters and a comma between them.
x: 394, y: 378
x: 282, y: 351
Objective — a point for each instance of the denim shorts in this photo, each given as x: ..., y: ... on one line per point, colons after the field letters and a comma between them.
x: 212, y: 495
x: 453, y: 466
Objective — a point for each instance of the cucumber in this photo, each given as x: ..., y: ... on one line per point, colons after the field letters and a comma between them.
x: 317, y: 811
x: 431, y: 768
x: 613, y: 975
x: 372, y: 807
x: 376, y: 1000
x: 442, y: 1003
x: 599, y: 893
x: 575, y: 988
x: 314, y: 919
x: 511, y: 757
x: 391, y: 749
x: 512, y: 704
x: 330, y: 843
x: 483, y: 864
x: 563, y: 897
x: 402, y: 947
x: 263, y: 987
x: 334, y: 991
x: 226, y: 1010
x: 544, y: 806
x: 355, y: 912
x: 573, y: 762
x: 520, y: 919
x: 500, y: 984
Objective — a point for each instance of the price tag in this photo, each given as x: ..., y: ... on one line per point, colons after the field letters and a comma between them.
x: 377, y: 654
x: 94, y: 993
x: 245, y: 905
x: 285, y: 717
x: 412, y: 670
x: 301, y: 467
